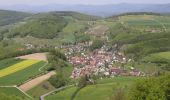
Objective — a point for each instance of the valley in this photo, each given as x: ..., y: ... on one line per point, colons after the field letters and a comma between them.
x: 84, y: 57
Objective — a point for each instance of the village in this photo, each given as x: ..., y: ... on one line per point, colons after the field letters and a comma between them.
x: 99, y: 62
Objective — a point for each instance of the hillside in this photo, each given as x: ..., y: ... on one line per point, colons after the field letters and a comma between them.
x: 10, y: 17
x: 75, y: 54
x: 52, y: 25
x: 141, y: 34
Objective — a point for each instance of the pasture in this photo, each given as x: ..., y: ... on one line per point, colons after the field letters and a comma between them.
x: 158, y: 57
x: 62, y: 95
x: 12, y: 91
x: 103, y: 90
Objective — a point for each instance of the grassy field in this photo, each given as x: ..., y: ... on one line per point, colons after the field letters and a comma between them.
x: 12, y: 91
x: 104, y: 89
x: 41, y: 89
x: 69, y: 38
x: 17, y: 67
x: 73, y: 27
x: 22, y: 75
x: 158, y: 57
x: 143, y: 22
x: 96, y: 92
x: 8, y: 62
x: 62, y: 95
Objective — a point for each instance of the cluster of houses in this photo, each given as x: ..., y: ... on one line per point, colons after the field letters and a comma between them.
x: 100, y: 62
x: 78, y: 48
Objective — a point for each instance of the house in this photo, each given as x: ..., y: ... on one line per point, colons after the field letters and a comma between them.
x: 115, y: 71
x: 135, y: 73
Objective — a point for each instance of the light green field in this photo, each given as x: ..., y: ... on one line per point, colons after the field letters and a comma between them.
x: 36, y: 41
x: 73, y: 27
x: 17, y: 67
x: 104, y: 90
x: 40, y: 89
x: 12, y: 91
x: 69, y: 38
x: 158, y: 57
x: 22, y: 75
x: 96, y: 92
x: 62, y: 95
x: 144, y: 22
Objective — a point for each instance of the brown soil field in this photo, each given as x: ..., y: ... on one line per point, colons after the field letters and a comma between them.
x: 34, y: 82
x: 35, y: 56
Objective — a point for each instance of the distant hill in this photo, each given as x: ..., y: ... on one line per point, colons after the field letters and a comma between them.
x: 51, y: 25
x: 100, y: 10
x: 10, y: 17
x: 135, y: 13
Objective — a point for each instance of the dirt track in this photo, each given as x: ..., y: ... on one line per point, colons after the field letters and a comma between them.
x: 35, y: 56
x: 31, y: 84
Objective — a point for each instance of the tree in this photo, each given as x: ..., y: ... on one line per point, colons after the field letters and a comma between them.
x: 58, y: 81
x: 57, y: 59
x: 83, y: 81
x: 1, y: 37
x: 151, y: 89
x: 55, y: 55
x: 96, y: 44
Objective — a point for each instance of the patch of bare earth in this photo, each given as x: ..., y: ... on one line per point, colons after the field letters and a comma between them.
x: 35, y: 56
x: 98, y: 30
x: 34, y: 82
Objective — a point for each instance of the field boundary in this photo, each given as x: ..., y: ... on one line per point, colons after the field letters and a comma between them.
x: 43, y: 66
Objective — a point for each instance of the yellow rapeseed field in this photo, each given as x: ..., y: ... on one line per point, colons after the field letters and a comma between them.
x: 17, y: 67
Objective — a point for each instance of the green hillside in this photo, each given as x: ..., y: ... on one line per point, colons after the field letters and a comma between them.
x: 140, y: 35
x: 10, y: 17
x: 52, y: 25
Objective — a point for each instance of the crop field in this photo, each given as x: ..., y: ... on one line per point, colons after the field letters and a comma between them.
x: 22, y: 75
x: 17, y: 67
x: 8, y: 62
